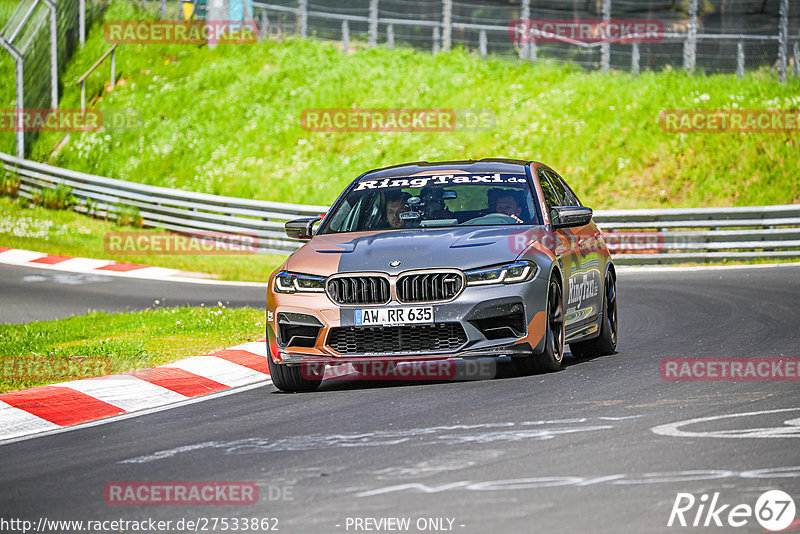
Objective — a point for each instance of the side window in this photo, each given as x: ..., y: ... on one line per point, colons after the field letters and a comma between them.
x: 569, y: 198
x: 550, y: 197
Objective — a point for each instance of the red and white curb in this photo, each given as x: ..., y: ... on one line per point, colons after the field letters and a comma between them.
x: 41, y: 260
x: 49, y: 408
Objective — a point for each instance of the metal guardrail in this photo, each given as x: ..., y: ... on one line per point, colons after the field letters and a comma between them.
x: 702, y: 234
x: 170, y: 209
x: 638, y: 237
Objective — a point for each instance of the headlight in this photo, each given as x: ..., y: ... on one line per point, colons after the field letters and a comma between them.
x: 519, y: 271
x: 286, y: 282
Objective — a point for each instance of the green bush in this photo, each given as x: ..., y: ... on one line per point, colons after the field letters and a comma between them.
x: 58, y: 198
x: 129, y: 216
x: 9, y: 183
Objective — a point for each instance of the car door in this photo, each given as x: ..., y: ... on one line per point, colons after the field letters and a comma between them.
x: 584, y: 290
x: 559, y: 240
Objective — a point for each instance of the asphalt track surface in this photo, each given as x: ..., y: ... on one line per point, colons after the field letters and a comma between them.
x: 28, y: 294
x: 572, y: 451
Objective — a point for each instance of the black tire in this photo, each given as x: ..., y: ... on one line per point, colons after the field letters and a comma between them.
x: 549, y: 360
x: 295, y: 378
x: 606, y: 342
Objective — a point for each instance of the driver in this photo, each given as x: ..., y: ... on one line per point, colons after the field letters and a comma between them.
x: 506, y: 203
x: 396, y: 204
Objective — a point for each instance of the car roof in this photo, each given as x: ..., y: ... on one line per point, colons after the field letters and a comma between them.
x: 515, y: 166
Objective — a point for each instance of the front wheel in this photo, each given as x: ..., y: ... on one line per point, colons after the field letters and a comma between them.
x: 606, y: 342
x: 296, y: 378
x: 549, y: 359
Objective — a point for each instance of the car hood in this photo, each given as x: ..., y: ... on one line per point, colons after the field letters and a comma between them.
x: 461, y: 247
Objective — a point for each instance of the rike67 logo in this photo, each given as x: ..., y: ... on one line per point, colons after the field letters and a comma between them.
x: 774, y: 510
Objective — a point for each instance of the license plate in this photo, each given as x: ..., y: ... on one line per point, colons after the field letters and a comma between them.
x: 393, y: 316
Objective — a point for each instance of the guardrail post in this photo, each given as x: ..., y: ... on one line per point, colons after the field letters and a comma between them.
x: 436, y: 39
x: 525, y: 15
x: 20, y: 96
x: 82, y: 80
x: 482, y: 43
x: 447, y: 24
x: 605, y: 47
x: 390, y: 36
x: 635, y: 58
x: 796, y: 59
x: 82, y: 21
x: 264, y: 29
x: 740, y: 59
x: 690, y: 45
x: 783, y: 40
x: 302, y: 18
x: 345, y: 37
x: 53, y: 54
x: 373, y: 23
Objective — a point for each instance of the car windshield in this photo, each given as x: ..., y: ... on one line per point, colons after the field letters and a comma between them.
x: 434, y: 201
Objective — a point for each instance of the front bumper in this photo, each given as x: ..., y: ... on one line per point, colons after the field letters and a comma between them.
x: 497, y: 320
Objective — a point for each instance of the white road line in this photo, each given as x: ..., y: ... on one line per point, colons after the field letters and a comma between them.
x: 16, y: 422
x: 126, y: 392
x: 790, y: 430
x: 219, y: 370
x: 152, y: 273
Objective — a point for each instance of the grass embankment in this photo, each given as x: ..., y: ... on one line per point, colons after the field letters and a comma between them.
x: 227, y: 121
x: 71, y: 234
x: 45, y: 352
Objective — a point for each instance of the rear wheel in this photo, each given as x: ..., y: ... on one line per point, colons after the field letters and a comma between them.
x: 549, y: 359
x: 606, y: 342
x: 295, y: 378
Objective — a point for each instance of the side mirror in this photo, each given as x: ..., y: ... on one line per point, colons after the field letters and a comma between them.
x: 301, y: 228
x: 570, y: 216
